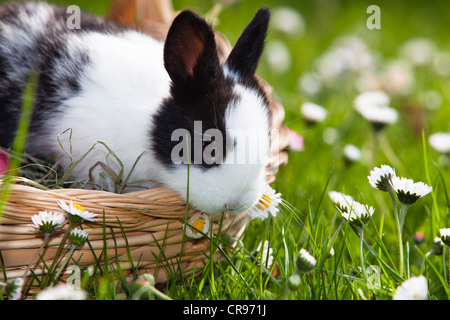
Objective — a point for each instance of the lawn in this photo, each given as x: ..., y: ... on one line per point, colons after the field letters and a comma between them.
x: 329, y: 58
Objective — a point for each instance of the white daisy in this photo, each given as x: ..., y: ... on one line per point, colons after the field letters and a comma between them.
x: 304, y: 261
x: 47, y: 221
x: 78, y: 237
x: 380, y: 178
x: 409, y: 191
x: 76, y: 212
x: 313, y: 112
x: 267, y: 205
x: 340, y: 200
x: 358, y: 213
x: 374, y: 107
x: 61, y: 292
x: 371, y: 98
x: 440, y: 141
x: 415, y: 288
x: 445, y: 235
x: 379, y: 116
x: 200, y: 223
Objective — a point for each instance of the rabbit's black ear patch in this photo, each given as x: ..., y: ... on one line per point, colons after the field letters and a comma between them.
x: 190, y: 50
x: 243, y: 59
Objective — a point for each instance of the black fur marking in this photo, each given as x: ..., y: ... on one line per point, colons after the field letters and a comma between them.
x: 243, y: 59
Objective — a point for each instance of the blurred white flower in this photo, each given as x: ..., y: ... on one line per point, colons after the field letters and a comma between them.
x: 369, y: 81
x: 352, y: 153
x: 358, y: 49
x: 419, y: 51
x: 409, y: 191
x: 330, y: 135
x: 371, y: 98
x: 61, y: 292
x: 373, y: 106
x: 440, y: 141
x: 278, y: 56
x: 415, y: 288
x: 441, y: 63
x: 432, y: 99
x: 313, y: 112
x: 348, y: 54
x: 309, y: 83
x: 398, y: 78
x: 288, y: 21
x: 379, y: 116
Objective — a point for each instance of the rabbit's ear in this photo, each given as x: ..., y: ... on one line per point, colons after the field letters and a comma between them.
x: 243, y: 59
x: 190, y: 55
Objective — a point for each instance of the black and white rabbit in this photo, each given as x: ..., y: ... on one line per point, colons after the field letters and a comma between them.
x: 108, y: 83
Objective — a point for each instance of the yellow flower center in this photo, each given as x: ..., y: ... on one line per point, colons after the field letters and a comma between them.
x: 199, y: 224
x: 77, y: 206
x: 264, y: 202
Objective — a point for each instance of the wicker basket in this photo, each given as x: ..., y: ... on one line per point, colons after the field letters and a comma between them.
x: 152, y: 219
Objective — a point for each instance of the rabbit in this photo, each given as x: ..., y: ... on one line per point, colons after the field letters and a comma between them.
x: 111, y: 84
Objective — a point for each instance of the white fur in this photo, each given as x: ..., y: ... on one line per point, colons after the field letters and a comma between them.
x: 120, y: 92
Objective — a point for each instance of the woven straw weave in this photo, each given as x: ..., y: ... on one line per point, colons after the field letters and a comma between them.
x: 152, y: 220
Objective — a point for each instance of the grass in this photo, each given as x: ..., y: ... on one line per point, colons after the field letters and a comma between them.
x: 315, y: 224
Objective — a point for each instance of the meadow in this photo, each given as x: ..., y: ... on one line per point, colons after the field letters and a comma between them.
x: 328, y: 53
